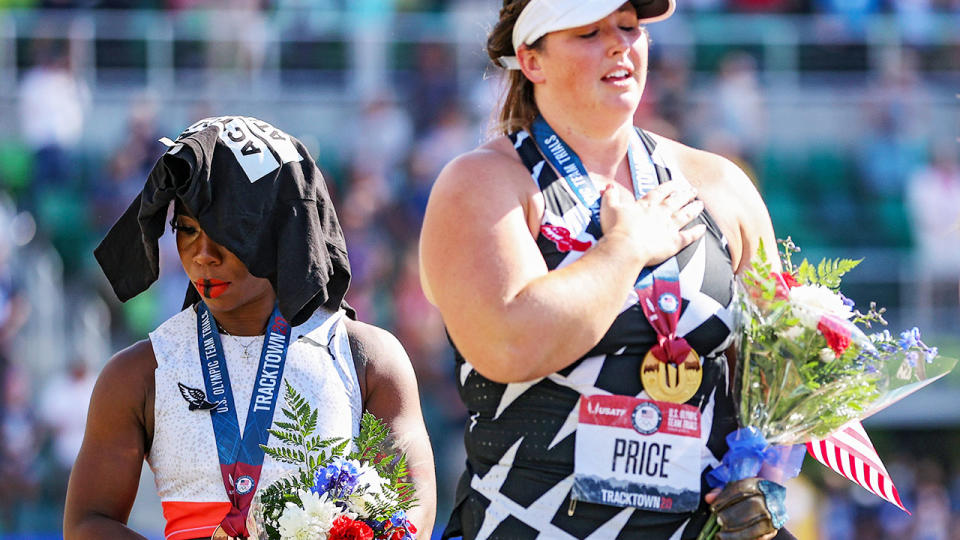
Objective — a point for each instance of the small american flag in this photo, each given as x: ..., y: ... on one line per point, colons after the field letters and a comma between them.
x: 850, y: 453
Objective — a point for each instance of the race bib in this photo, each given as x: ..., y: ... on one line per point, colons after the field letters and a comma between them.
x: 637, y: 452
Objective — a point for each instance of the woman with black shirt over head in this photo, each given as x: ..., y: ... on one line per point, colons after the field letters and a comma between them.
x: 259, y: 240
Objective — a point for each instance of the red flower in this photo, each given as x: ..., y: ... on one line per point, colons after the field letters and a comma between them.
x: 785, y: 282
x: 398, y: 533
x: 345, y: 528
x: 836, y: 332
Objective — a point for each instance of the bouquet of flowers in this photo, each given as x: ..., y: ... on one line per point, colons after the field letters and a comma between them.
x: 806, y: 367
x: 343, y: 490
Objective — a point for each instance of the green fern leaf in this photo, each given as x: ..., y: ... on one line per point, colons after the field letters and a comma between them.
x: 286, y: 426
x: 311, y: 423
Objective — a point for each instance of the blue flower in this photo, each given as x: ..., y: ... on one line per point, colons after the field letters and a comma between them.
x: 910, y: 338
x: 887, y: 347
x: 867, y: 360
x: 912, y: 357
x: 399, y: 518
x: 377, y: 525
x: 846, y: 301
x: 339, y: 479
x: 931, y: 354
x: 884, y: 342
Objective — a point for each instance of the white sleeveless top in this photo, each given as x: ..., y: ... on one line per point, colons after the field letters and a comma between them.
x: 183, y: 456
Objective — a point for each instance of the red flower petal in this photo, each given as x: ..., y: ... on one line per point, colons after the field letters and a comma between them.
x: 836, y: 332
x: 345, y: 528
x: 785, y: 282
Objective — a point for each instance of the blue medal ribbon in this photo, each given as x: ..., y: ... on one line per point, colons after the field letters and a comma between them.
x: 566, y: 162
x: 241, y: 457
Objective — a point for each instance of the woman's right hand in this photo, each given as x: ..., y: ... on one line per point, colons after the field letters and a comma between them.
x: 653, y: 226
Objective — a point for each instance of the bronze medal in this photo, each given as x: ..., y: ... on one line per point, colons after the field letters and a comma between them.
x: 665, y: 381
x: 220, y: 535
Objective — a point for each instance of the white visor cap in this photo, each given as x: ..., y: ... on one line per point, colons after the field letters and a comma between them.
x: 540, y: 17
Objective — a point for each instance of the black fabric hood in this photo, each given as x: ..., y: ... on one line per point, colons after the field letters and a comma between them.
x: 254, y: 190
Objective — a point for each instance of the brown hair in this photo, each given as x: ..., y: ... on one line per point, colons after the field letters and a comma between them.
x: 518, y: 108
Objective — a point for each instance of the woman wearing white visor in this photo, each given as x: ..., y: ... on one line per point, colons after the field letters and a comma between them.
x: 584, y: 270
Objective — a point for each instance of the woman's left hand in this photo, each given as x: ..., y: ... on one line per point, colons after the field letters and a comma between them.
x: 749, y: 509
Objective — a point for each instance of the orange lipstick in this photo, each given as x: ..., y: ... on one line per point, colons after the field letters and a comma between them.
x: 211, y: 288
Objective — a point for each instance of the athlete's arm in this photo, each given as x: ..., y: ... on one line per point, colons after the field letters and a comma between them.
x: 480, y: 265
x: 755, y: 224
x: 104, y: 480
x: 389, y: 388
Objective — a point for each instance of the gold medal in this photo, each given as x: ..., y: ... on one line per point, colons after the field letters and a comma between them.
x: 665, y: 381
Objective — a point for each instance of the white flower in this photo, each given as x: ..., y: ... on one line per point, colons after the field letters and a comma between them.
x: 295, y: 524
x: 827, y: 355
x: 369, y: 486
x: 793, y: 333
x: 312, y: 521
x: 368, y: 475
x: 810, y: 302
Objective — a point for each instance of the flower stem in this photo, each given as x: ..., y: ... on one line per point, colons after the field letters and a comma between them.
x: 710, y: 529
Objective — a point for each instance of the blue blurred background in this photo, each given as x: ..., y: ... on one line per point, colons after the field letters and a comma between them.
x: 843, y: 111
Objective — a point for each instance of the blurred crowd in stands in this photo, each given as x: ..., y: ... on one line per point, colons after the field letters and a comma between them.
x: 893, y: 187
x: 743, y: 6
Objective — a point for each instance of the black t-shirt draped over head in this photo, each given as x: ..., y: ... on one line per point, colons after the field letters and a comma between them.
x: 254, y: 190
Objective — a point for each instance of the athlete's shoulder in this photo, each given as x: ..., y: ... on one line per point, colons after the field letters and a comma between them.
x: 494, y: 161
x: 125, y: 387
x: 370, y: 343
x: 381, y: 360
x: 131, y: 364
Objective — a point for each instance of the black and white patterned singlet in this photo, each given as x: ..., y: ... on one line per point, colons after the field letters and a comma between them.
x: 520, y: 436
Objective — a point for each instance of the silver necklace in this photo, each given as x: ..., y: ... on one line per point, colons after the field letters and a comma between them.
x: 245, y: 355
